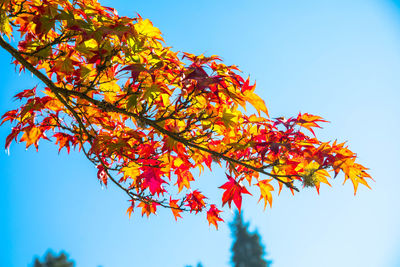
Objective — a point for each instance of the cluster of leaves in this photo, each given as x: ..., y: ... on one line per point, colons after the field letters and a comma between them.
x: 147, y: 116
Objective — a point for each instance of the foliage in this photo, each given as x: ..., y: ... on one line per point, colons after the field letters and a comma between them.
x: 147, y: 116
x: 247, y: 250
x: 54, y: 261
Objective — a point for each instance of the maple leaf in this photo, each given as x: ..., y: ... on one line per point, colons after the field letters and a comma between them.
x: 195, y: 201
x: 5, y: 26
x: 12, y: 136
x: 175, y: 208
x: 313, y: 175
x: 64, y: 67
x: 26, y: 93
x: 184, y: 178
x: 233, y: 192
x: 131, y: 208
x: 229, y: 118
x: 265, y: 190
x: 148, y: 207
x: 132, y: 171
x: 213, y: 216
x: 309, y: 121
x: 9, y: 116
x: 146, y: 28
x: 256, y: 101
x: 102, y: 174
x: 152, y: 180
x: 31, y: 136
x: 356, y: 173
x: 64, y: 140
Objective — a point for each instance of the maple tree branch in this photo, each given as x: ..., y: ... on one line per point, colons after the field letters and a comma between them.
x: 106, y: 106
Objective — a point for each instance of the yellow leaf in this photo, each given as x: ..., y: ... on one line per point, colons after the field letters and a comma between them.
x: 357, y: 174
x: 228, y: 118
x: 313, y: 176
x: 110, y: 90
x: 131, y: 171
x: 256, y: 102
x: 86, y: 46
x: 145, y: 27
x: 5, y: 26
x: 266, y: 189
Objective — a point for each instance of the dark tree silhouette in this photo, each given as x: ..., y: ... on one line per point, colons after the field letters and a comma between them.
x: 198, y: 265
x: 247, y: 250
x: 54, y: 261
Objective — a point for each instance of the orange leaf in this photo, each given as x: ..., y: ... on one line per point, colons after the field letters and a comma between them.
x: 148, y: 207
x: 131, y: 208
x: 175, y: 208
x: 213, y: 216
x: 31, y: 136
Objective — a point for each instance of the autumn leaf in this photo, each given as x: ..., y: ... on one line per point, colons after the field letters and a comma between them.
x: 195, y: 201
x: 26, y: 93
x: 5, y: 26
x: 256, y: 102
x: 145, y: 27
x: 175, y: 208
x: 229, y: 118
x: 64, y: 140
x: 213, y: 216
x: 102, y: 174
x: 356, y: 173
x: 152, y: 179
x: 131, y: 208
x: 309, y: 121
x: 131, y: 171
x: 233, y: 192
x: 314, y: 175
x: 148, y: 208
x: 31, y: 136
x: 265, y: 190
x: 184, y: 179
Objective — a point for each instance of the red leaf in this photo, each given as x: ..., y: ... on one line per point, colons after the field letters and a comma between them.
x: 13, y: 135
x: 9, y: 116
x: 195, y: 201
x: 64, y: 140
x: 102, y: 175
x: 309, y: 121
x: 152, y: 180
x: 233, y: 191
x: 26, y: 93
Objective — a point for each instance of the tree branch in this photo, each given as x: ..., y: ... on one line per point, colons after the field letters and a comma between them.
x: 106, y: 106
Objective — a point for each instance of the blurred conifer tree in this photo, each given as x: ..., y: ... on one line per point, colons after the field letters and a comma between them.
x: 247, y: 250
x: 54, y: 261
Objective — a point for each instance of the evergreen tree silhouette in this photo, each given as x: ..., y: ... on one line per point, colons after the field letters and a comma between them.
x: 54, y: 261
x: 247, y: 250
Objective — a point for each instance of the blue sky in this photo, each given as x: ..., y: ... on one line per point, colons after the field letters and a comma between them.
x: 338, y: 59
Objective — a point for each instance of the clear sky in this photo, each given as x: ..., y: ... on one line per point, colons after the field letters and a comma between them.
x: 338, y: 59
